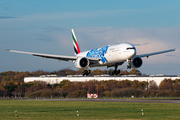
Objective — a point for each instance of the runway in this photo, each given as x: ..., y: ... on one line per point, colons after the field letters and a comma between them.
x: 119, y: 100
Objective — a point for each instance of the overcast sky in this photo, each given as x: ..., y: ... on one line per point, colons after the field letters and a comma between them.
x: 44, y: 26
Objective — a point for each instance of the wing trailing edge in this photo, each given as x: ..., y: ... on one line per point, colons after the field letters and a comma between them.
x: 51, y: 56
x: 156, y: 53
x: 58, y: 57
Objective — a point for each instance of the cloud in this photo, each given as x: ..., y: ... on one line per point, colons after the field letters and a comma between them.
x: 148, y: 39
x: 6, y: 17
x: 5, y: 6
x: 80, y: 15
x: 171, y: 55
x: 53, y: 29
x: 141, y: 44
x: 45, y: 39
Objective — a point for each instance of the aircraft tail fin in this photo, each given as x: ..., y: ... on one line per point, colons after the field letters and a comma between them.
x: 75, y: 43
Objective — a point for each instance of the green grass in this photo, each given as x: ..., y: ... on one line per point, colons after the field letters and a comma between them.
x: 60, y: 110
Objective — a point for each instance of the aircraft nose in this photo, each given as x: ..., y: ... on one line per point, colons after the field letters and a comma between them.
x: 131, y: 54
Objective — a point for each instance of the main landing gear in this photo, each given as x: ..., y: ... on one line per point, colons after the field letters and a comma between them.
x: 116, y: 72
x: 86, y: 72
x: 129, y: 64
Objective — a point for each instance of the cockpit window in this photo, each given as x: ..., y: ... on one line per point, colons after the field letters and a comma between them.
x: 130, y: 48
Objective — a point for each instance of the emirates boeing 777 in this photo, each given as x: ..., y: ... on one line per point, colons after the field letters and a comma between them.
x: 110, y: 56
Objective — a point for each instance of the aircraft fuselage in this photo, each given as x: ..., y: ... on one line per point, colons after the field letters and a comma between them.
x: 111, y: 54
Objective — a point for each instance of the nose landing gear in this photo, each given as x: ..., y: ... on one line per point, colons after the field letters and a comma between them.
x: 129, y: 64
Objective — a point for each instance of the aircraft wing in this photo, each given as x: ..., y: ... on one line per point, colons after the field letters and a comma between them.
x: 58, y: 57
x: 155, y: 53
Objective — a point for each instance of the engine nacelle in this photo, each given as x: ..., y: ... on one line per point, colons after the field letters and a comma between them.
x: 136, y: 62
x: 82, y: 63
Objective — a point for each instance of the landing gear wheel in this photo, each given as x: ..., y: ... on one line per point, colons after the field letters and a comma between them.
x: 116, y: 72
x: 112, y: 72
x: 86, y: 72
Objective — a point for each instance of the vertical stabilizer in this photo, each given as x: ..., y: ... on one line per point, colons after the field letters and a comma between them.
x: 75, y: 43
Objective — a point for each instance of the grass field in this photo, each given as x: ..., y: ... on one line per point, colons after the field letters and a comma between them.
x: 60, y: 110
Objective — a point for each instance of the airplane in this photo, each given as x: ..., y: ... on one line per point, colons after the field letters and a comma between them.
x: 110, y: 56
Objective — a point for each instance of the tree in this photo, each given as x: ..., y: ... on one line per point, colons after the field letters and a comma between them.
x: 176, y: 85
x: 135, y: 84
x: 124, y: 72
x: 10, y: 88
x: 125, y: 83
x: 46, y: 92
x: 64, y: 82
x: 152, y: 85
x: 3, y: 92
x: 78, y: 93
x: 19, y: 91
x: 97, y: 87
x: 142, y: 85
x: 96, y: 72
x: 166, y: 84
x: 134, y: 72
x: 60, y: 91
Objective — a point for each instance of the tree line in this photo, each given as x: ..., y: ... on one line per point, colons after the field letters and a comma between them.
x: 12, y: 85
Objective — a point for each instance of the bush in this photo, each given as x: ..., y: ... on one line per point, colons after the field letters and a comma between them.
x: 109, y: 94
x: 77, y: 93
x: 124, y: 92
x: 47, y: 93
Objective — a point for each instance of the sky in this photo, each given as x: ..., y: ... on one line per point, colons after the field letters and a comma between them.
x: 44, y: 26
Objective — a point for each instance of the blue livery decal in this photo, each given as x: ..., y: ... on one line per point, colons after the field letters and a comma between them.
x: 99, y: 52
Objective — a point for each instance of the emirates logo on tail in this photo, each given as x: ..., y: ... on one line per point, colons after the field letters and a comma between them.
x: 75, y: 43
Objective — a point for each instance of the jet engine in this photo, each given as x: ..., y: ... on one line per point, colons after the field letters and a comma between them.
x: 82, y: 63
x: 136, y: 62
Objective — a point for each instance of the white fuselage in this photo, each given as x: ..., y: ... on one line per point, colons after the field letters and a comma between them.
x: 111, y: 54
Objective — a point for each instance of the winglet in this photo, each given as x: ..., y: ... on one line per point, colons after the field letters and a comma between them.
x: 75, y: 43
